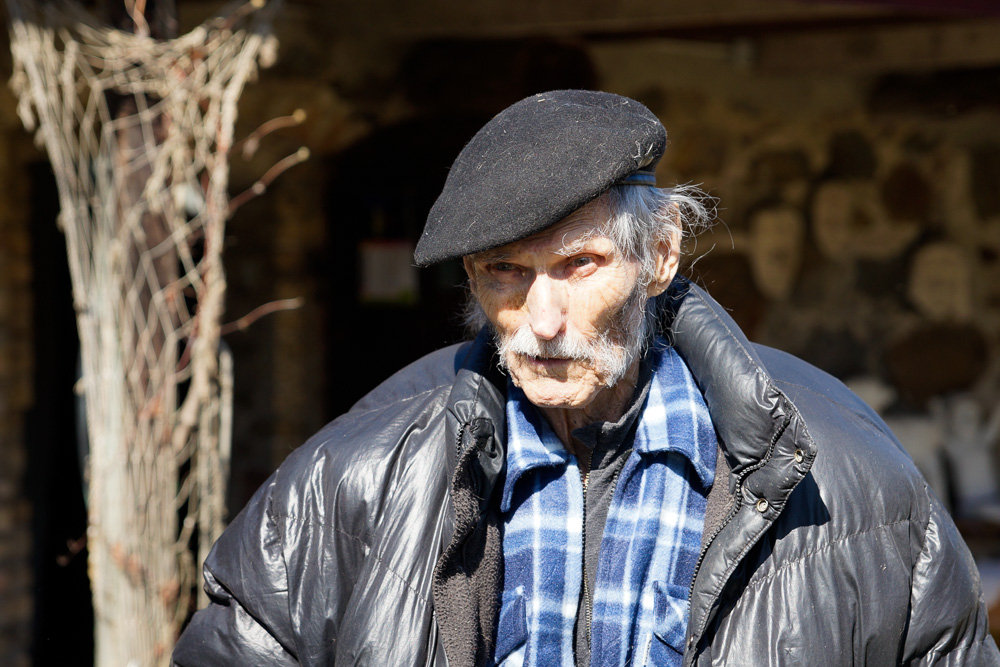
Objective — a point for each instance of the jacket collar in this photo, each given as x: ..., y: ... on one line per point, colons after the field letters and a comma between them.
x: 748, y: 410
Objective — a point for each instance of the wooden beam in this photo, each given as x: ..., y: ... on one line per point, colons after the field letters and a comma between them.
x: 952, y: 7
x: 515, y: 18
x: 872, y: 50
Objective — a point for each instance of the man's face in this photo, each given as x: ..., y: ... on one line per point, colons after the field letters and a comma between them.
x: 567, y: 308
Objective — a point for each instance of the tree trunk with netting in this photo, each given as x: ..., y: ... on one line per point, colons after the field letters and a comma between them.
x: 139, y: 131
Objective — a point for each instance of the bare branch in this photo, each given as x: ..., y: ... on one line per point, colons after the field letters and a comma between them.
x: 260, y: 187
x: 260, y: 311
x: 248, y: 147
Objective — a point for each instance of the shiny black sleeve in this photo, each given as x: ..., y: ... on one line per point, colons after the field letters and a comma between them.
x: 948, y: 621
x: 247, y: 621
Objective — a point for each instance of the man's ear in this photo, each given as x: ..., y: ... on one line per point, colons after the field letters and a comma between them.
x: 668, y: 256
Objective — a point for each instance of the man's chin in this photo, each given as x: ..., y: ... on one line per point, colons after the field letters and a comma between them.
x: 558, y: 392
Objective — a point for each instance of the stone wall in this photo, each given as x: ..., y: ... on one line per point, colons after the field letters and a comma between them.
x: 861, y: 228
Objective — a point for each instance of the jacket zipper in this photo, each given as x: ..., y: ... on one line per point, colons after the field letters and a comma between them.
x: 729, y: 517
x: 738, y: 493
x: 458, y: 440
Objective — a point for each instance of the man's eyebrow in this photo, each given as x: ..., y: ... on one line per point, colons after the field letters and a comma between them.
x: 490, y: 256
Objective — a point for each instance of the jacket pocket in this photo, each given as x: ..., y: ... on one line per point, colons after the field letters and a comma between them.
x: 512, y: 628
x: 665, y: 644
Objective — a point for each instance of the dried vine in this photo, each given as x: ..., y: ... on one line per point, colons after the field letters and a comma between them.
x: 139, y: 132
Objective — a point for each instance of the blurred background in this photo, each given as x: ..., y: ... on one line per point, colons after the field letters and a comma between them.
x: 854, y: 148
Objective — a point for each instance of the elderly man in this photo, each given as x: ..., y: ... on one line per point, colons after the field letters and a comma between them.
x: 609, y: 475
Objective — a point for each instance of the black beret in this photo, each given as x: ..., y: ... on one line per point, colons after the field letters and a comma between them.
x: 535, y: 163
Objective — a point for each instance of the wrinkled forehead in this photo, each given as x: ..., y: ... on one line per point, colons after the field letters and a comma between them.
x: 587, y: 224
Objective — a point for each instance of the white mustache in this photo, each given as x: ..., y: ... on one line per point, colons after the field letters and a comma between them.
x: 565, y: 346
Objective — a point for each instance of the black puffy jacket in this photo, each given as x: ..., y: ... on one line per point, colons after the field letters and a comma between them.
x: 376, y: 543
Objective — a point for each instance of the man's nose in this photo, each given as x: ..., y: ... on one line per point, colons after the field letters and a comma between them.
x: 545, y: 302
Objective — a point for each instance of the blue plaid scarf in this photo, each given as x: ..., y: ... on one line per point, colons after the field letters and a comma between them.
x: 651, y: 539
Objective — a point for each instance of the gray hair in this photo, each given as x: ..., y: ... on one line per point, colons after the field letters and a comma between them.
x: 642, y: 217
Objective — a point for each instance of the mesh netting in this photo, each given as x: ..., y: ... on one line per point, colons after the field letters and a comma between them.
x: 138, y: 132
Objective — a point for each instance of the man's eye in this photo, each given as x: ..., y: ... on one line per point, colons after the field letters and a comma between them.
x: 506, y: 272
x: 583, y: 260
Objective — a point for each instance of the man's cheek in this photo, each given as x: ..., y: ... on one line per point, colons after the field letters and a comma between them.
x: 595, y: 311
x: 503, y: 309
